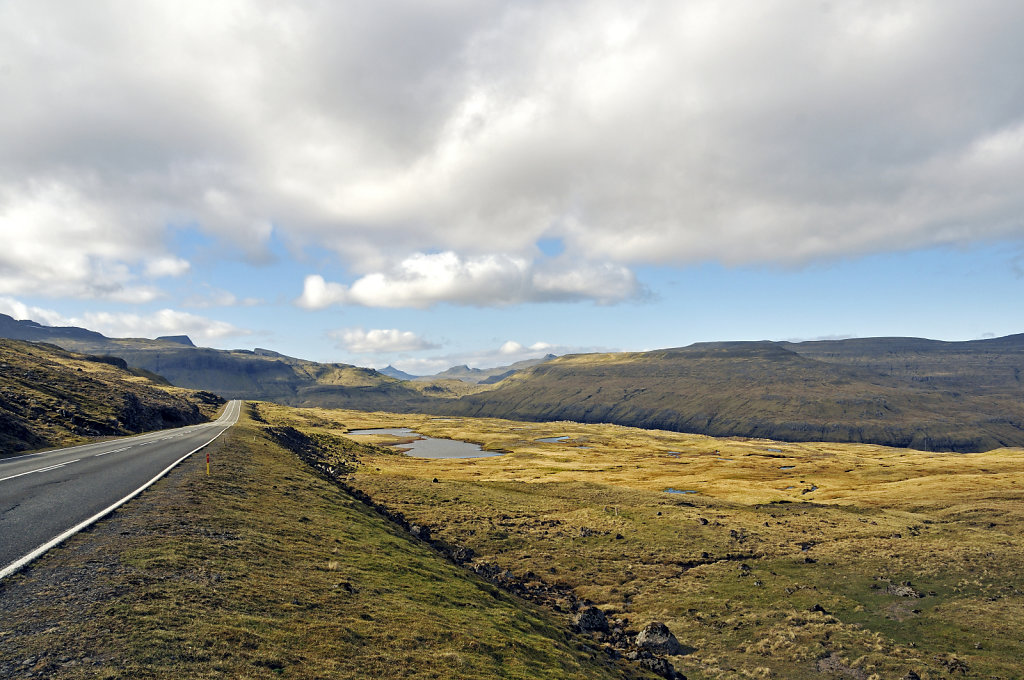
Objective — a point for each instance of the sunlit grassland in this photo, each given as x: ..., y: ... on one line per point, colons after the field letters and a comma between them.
x: 263, y: 569
x: 788, y: 560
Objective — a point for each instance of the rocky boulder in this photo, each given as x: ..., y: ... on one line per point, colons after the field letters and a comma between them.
x: 903, y: 589
x: 591, y: 619
x: 657, y: 638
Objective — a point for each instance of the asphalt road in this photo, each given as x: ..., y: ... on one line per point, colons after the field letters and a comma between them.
x: 45, y: 495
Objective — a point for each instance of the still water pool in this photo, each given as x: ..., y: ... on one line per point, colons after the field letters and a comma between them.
x: 428, y: 447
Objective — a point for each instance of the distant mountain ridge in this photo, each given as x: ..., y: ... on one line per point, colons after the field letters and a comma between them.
x: 393, y: 372
x: 910, y: 392
x: 36, y: 332
x: 484, y: 375
x: 180, y: 339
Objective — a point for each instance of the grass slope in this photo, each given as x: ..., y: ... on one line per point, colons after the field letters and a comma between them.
x: 233, y: 374
x: 240, y: 374
x: 908, y: 392
x: 51, y: 397
x: 266, y: 570
x: 793, y: 561
x: 762, y: 389
x: 977, y: 367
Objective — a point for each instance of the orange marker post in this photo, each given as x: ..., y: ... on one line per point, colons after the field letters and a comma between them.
x: 207, y: 463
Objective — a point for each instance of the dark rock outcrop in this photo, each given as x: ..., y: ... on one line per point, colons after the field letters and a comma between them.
x: 591, y: 619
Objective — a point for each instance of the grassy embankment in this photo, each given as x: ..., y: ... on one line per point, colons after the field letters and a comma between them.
x: 791, y: 560
x: 266, y: 570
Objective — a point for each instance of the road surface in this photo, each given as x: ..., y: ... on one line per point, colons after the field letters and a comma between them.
x: 45, y: 497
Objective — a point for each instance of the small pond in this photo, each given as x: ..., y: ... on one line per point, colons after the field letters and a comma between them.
x: 774, y: 450
x: 670, y: 490
x: 786, y: 467
x: 553, y: 440
x: 429, y: 447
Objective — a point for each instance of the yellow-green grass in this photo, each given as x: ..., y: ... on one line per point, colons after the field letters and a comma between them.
x: 736, y: 568
x: 264, y: 569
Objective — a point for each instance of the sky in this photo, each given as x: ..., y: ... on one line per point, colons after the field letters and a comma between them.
x: 428, y: 183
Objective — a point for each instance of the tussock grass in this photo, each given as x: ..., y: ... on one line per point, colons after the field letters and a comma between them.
x: 764, y: 580
x: 266, y: 570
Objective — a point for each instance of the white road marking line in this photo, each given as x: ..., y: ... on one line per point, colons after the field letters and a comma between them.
x: 52, y: 467
x: 114, y: 451
x: 188, y: 429
x: 22, y: 561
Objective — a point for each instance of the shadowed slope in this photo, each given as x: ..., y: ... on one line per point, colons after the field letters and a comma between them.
x: 51, y: 397
x: 757, y: 389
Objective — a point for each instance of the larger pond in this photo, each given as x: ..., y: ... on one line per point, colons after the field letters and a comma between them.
x: 420, y: 446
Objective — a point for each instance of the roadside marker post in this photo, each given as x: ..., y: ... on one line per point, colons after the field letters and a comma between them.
x: 207, y: 463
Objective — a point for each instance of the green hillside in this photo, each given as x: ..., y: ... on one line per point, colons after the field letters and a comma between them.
x: 765, y: 389
x: 982, y: 367
x: 907, y: 392
x: 52, y: 397
x: 233, y: 374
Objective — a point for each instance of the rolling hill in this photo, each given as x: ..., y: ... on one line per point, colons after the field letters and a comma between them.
x: 253, y: 374
x: 52, y: 397
x: 900, y: 392
x: 910, y: 392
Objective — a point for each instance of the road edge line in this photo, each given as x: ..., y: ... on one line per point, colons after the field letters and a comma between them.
x: 26, y: 559
x: 125, y: 438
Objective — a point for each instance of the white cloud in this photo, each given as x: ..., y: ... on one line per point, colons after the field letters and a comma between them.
x: 379, y: 341
x: 60, y: 242
x: 218, y: 297
x: 772, y: 132
x: 423, y: 280
x: 510, y: 347
x: 167, y: 265
x: 162, y: 322
x: 19, y: 310
x: 120, y: 325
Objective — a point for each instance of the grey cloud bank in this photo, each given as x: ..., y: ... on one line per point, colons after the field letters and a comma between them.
x: 638, y: 133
